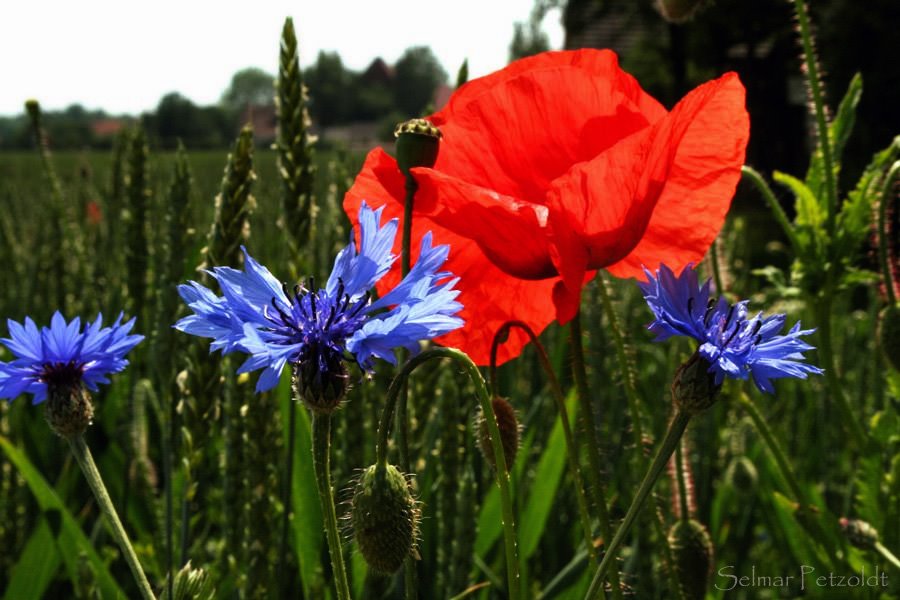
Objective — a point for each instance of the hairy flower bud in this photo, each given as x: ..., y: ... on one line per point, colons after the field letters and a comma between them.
x: 694, y: 388
x: 384, y: 517
x: 859, y: 533
x: 742, y: 474
x: 692, y: 550
x: 69, y: 409
x: 508, y: 424
x: 889, y: 334
x: 322, y: 387
x: 418, y: 142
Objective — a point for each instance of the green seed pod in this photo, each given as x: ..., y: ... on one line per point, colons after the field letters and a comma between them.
x: 384, y: 517
x: 889, y: 334
x: 418, y: 142
x: 742, y: 474
x: 859, y: 533
x: 694, y: 388
x: 508, y: 424
x: 69, y: 409
x: 692, y: 550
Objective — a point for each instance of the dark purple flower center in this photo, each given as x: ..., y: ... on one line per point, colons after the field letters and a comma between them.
x: 62, y: 374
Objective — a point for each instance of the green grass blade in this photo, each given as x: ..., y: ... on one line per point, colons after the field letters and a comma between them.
x: 71, y: 540
x: 36, y: 567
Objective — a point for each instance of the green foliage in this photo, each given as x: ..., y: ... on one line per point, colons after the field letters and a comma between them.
x: 248, y: 87
x: 418, y: 74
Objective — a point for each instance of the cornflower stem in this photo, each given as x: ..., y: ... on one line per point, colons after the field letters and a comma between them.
x: 670, y: 442
x: 757, y: 180
x: 593, y: 445
x: 883, y: 234
x: 784, y: 465
x: 92, y: 474
x: 321, y: 446
x: 682, y: 483
x: 410, y: 575
x: 501, y: 473
x: 559, y: 397
x: 887, y: 554
x: 815, y: 89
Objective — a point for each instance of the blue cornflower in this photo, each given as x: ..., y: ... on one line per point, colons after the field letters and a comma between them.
x: 318, y: 330
x: 731, y: 343
x: 63, y: 356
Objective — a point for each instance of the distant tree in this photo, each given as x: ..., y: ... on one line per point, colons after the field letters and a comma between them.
x: 528, y: 39
x: 177, y: 118
x: 248, y: 86
x: 329, y: 86
x: 417, y: 75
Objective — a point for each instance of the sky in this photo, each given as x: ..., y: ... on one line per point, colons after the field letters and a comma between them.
x: 123, y: 56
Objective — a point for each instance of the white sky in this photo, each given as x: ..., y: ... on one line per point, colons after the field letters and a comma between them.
x: 123, y: 56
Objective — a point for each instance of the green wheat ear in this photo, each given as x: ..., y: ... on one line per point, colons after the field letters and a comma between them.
x: 137, y: 198
x: 234, y: 204
x: 295, y: 152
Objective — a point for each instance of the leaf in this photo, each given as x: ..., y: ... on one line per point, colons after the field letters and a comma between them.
x: 810, y: 212
x: 71, y: 540
x: 838, y: 133
x: 543, y: 491
x: 306, y: 522
x: 36, y: 566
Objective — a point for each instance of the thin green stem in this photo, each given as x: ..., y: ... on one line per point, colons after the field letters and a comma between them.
x: 321, y: 445
x: 92, y: 474
x: 410, y: 575
x: 593, y: 445
x: 887, y: 554
x: 769, y: 196
x: 818, y: 101
x: 286, y: 498
x: 629, y: 377
x: 784, y: 465
x: 882, y: 232
x: 848, y: 416
x: 681, y: 482
x: 559, y: 397
x: 671, y: 441
x: 501, y: 472
x: 714, y: 262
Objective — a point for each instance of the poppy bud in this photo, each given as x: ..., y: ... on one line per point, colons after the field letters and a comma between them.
x: 742, y: 474
x: 384, y: 518
x: 321, y: 387
x: 69, y: 409
x: 889, y: 334
x: 694, y: 388
x: 418, y: 142
x: 508, y: 424
x: 692, y: 550
x: 679, y: 11
x: 859, y: 533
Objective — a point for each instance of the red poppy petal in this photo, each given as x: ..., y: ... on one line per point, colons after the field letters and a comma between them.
x: 517, y: 130
x: 510, y: 232
x: 489, y: 296
x: 701, y: 182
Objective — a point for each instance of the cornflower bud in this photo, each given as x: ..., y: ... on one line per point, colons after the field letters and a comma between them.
x: 692, y: 550
x: 694, y: 388
x: 508, y: 424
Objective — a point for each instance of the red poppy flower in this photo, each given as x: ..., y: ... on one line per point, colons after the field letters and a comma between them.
x: 554, y: 167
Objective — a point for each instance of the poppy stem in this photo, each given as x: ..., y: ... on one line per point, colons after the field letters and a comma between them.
x: 410, y: 573
x: 559, y: 397
x: 593, y: 445
x: 671, y: 441
x: 769, y: 196
x: 86, y: 461
x: 321, y: 446
x: 501, y: 472
x: 883, y: 232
